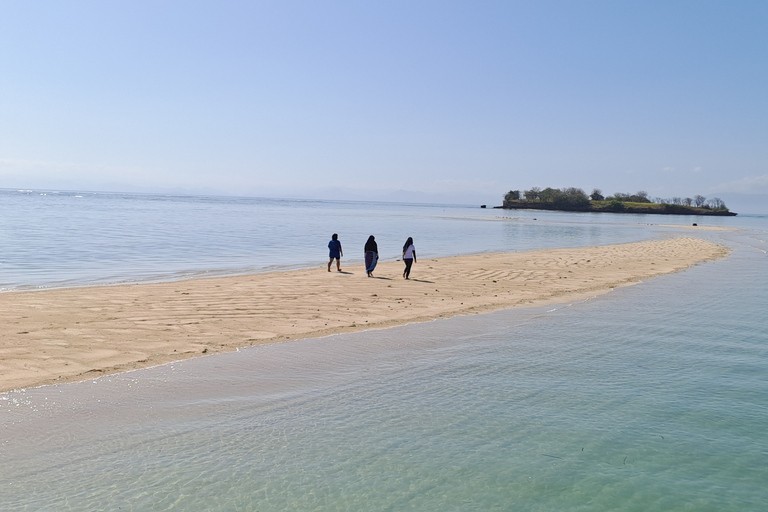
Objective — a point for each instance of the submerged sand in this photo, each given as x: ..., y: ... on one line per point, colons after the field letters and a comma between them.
x: 80, y: 333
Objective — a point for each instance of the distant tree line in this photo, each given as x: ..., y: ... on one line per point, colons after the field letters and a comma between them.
x: 566, y: 197
x: 572, y: 198
x: 699, y: 201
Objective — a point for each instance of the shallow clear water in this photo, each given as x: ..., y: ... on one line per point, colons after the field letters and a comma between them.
x: 653, y: 397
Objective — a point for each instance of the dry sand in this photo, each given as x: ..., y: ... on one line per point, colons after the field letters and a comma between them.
x: 80, y: 333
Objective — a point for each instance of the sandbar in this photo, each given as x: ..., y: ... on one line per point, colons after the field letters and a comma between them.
x: 73, y: 334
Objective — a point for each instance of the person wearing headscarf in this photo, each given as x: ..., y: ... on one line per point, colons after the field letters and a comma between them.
x: 371, y: 255
x: 409, y: 257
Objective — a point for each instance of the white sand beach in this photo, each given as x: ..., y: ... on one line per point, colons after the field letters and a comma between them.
x: 72, y: 334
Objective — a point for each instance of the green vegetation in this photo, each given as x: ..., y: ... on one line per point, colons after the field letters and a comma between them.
x: 576, y: 200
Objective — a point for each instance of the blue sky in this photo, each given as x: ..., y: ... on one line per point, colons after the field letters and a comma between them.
x: 423, y: 100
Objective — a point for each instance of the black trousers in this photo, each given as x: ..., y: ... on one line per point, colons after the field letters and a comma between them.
x: 408, y: 263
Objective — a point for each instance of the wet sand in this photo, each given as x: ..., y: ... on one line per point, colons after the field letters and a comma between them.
x: 76, y: 334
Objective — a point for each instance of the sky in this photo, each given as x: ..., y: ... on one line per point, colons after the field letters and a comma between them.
x: 433, y: 101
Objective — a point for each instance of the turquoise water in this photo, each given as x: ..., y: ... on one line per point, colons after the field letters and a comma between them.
x: 653, y: 397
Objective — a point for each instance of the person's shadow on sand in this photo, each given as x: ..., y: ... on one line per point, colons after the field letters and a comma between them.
x: 422, y: 281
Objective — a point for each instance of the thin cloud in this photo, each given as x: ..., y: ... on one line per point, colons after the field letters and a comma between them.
x: 21, y: 165
x: 42, y: 166
x: 748, y: 185
x: 453, y: 185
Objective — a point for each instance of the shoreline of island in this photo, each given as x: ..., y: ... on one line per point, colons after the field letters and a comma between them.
x: 624, y: 208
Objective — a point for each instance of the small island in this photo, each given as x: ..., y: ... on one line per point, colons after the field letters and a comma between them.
x: 576, y: 200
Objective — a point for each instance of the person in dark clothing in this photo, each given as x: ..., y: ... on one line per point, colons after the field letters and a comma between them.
x: 409, y: 257
x: 335, y: 252
x: 371, y: 255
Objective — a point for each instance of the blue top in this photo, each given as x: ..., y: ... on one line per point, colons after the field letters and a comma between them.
x: 335, y: 249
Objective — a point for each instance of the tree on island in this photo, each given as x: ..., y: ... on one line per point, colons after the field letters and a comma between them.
x: 567, y: 198
x: 716, y: 203
x: 698, y: 201
x: 532, y: 194
x: 638, y: 197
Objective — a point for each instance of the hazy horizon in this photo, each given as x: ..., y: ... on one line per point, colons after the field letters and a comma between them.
x: 445, y: 102
x: 749, y: 204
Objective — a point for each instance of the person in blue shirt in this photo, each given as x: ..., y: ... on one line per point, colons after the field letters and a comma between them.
x: 334, y: 247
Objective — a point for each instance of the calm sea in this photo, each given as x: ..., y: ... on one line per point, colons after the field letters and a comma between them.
x: 54, y: 239
x: 653, y: 397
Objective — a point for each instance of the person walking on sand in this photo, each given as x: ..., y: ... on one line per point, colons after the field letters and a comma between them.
x: 409, y: 257
x: 335, y: 252
x: 371, y: 255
